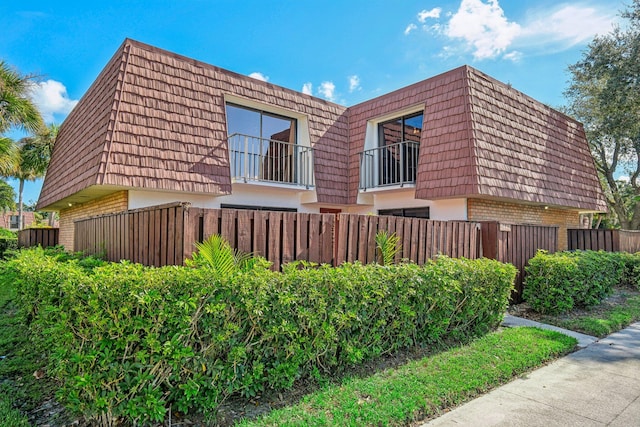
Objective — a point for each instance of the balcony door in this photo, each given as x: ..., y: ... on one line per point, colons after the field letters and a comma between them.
x: 261, y: 144
x: 400, y: 139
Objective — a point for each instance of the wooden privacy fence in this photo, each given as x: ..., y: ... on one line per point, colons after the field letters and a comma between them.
x: 166, y: 235
x: 421, y: 239
x: 44, y: 237
x: 517, y: 244
x: 604, y: 240
x: 150, y: 236
x: 280, y: 237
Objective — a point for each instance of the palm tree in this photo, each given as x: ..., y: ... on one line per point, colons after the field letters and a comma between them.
x: 7, y: 197
x: 8, y: 156
x: 23, y: 171
x: 17, y: 110
x: 36, y: 152
x: 32, y: 160
x: 35, y: 155
x: 16, y: 107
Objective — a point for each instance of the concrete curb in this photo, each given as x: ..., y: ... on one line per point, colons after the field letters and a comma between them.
x: 596, y: 386
x: 513, y: 321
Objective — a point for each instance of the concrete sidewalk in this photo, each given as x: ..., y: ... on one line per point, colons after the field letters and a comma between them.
x: 596, y: 386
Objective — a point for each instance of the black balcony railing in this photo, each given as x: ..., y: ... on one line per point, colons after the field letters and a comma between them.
x: 390, y: 165
x: 266, y: 160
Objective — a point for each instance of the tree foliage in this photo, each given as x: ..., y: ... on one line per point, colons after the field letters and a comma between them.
x: 16, y: 107
x: 604, y: 94
x: 7, y: 197
x: 29, y: 160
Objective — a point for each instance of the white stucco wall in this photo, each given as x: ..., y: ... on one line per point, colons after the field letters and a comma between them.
x: 268, y: 195
x: 452, y: 209
x: 242, y: 194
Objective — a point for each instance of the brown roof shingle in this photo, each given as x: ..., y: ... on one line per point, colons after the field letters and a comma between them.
x: 162, y: 126
x: 528, y: 151
x: 156, y: 120
x: 481, y: 138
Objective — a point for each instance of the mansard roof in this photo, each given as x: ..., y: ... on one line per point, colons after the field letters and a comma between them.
x: 156, y: 120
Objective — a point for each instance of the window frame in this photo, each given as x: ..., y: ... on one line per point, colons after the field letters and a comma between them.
x: 257, y: 208
x: 402, y: 212
x: 17, y: 221
x: 398, y: 162
x: 262, y: 113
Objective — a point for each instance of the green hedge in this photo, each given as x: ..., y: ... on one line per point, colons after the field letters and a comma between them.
x: 128, y: 342
x: 8, y: 242
x: 556, y: 283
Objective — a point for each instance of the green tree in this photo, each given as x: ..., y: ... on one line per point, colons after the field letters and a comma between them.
x: 604, y: 94
x: 23, y: 172
x: 37, y: 150
x: 16, y: 107
x: 7, y: 197
x: 8, y: 156
x: 35, y: 155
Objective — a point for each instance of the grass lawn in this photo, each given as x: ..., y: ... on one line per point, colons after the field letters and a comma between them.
x: 602, y: 320
x: 20, y: 391
x: 424, y: 388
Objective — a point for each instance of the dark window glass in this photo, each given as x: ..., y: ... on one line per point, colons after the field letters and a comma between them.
x: 413, y: 127
x: 399, y: 158
x: 262, y: 144
x: 258, y: 208
x: 248, y: 121
x: 13, y: 221
x: 407, y: 213
x: 405, y: 128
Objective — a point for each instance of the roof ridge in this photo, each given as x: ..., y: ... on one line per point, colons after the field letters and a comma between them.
x: 206, y: 65
x: 472, y: 141
x: 115, y: 113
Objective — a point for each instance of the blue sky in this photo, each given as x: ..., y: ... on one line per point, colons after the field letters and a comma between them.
x: 344, y: 51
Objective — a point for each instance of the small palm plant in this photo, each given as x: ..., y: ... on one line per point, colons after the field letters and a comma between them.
x: 388, y: 246
x: 217, y: 254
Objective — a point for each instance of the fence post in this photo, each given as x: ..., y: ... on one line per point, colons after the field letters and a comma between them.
x: 615, y: 240
x: 336, y: 240
x: 489, y: 240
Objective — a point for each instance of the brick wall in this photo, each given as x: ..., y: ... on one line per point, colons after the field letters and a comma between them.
x: 115, y: 202
x: 513, y: 213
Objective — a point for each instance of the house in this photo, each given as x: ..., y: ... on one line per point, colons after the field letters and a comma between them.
x: 157, y: 127
x: 9, y: 220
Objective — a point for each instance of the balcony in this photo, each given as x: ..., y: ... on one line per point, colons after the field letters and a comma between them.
x: 254, y: 159
x: 392, y: 165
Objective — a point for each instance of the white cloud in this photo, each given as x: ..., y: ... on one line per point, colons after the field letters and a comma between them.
x: 433, y: 13
x: 307, y: 88
x: 51, y: 98
x: 568, y: 25
x: 410, y: 28
x: 483, y: 27
x: 354, y: 83
x: 514, y: 56
x: 259, y: 76
x: 327, y: 90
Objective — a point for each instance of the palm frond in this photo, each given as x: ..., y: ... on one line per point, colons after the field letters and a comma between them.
x: 216, y: 253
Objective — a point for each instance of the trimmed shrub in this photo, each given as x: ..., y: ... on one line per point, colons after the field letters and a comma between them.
x: 7, y: 245
x: 631, y: 273
x: 8, y: 242
x: 556, y: 283
x: 129, y: 342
